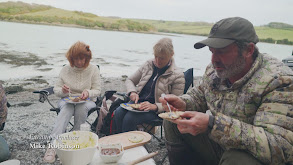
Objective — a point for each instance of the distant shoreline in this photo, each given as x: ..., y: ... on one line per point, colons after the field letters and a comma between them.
x: 82, y: 27
x: 274, y: 41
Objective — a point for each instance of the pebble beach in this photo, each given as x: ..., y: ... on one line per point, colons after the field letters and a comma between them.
x: 30, y: 121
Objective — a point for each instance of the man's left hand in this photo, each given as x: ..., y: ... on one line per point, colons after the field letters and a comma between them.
x: 193, y: 122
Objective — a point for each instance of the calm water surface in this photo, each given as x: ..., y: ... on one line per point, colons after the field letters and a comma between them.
x: 117, y: 53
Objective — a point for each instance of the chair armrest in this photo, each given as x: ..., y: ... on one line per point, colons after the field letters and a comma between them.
x: 109, y: 94
x: 126, y: 98
x: 44, y: 93
x: 2, y: 126
x: 57, y: 110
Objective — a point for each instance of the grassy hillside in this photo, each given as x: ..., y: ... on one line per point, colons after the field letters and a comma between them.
x: 33, y: 13
x: 11, y: 8
x: 194, y: 28
x: 22, y: 12
x: 272, y: 33
x: 279, y: 25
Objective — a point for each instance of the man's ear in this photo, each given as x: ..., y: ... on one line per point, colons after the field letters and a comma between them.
x: 249, y: 50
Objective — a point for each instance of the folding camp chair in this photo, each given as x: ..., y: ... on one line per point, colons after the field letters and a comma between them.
x: 188, y: 75
x: 104, y: 122
x: 3, y: 125
x: 149, y: 126
x: 8, y: 105
x: 45, y: 93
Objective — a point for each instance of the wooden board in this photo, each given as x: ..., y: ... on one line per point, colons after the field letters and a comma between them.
x: 123, y: 139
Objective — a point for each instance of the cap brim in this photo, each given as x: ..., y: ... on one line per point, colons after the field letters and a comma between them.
x: 214, y: 43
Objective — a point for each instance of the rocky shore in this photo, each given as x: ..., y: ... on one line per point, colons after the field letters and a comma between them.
x: 29, y: 118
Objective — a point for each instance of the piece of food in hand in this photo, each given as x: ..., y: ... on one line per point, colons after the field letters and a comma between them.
x: 135, y: 138
x: 171, y: 115
x: 135, y: 106
x: 77, y: 99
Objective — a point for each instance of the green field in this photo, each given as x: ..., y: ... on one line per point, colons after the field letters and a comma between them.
x: 265, y: 33
x: 21, y: 12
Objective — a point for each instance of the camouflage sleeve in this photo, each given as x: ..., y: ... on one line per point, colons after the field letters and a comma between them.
x: 195, y: 98
x: 3, y: 106
x: 270, y: 138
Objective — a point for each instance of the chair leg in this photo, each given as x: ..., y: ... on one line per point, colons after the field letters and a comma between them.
x: 157, y: 138
x: 88, y: 122
x: 164, y: 158
x: 71, y: 127
x: 148, y: 130
x: 161, y: 131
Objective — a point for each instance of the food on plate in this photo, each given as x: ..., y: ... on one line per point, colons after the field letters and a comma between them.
x: 171, y: 115
x: 135, y: 138
x: 110, y: 151
x: 135, y: 106
x: 77, y: 99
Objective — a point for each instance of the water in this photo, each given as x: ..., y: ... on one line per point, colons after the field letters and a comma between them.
x: 117, y: 53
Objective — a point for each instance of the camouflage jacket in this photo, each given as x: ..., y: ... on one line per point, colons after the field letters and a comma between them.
x: 253, y: 114
x: 3, y: 107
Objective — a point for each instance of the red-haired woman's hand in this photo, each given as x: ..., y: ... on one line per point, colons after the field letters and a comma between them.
x: 84, y: 95
x: 65, y: 89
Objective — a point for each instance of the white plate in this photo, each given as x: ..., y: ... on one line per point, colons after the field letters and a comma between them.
x: 129, y: 108
x: 69, y: 100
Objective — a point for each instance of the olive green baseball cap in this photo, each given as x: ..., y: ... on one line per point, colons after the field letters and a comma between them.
x: 227, y: 31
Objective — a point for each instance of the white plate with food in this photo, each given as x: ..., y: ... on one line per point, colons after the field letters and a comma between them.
x: 171, y: 116
x: 132, y: 107
x: 74, y: 100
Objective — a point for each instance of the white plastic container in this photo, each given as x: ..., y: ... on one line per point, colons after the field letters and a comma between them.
x: 111, y: 158
x: 76, y: 156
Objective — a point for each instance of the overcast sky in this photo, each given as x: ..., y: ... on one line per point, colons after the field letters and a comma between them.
x: 259, y: 12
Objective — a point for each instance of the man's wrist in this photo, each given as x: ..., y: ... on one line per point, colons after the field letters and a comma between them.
x: 211, y: 122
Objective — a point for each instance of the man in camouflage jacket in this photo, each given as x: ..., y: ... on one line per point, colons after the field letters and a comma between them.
x: 250, y: 97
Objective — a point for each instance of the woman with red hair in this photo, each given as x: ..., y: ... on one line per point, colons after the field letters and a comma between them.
x: 81, y: 79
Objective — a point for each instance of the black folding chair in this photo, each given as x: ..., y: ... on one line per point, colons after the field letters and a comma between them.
x: 8, y: 105
x: 188, y: 75
x: 45, y: 93
x: 150, y: 125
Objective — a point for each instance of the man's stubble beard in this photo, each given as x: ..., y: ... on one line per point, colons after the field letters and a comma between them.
x: 231, y: 70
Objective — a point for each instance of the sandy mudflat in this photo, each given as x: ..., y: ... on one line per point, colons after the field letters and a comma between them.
x: 30, y: 122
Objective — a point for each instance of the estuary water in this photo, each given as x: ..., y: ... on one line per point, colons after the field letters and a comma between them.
x: 117, y: 53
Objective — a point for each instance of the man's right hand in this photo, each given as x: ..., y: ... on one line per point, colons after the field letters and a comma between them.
x: 134, y: 97
x: 176, y: 104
